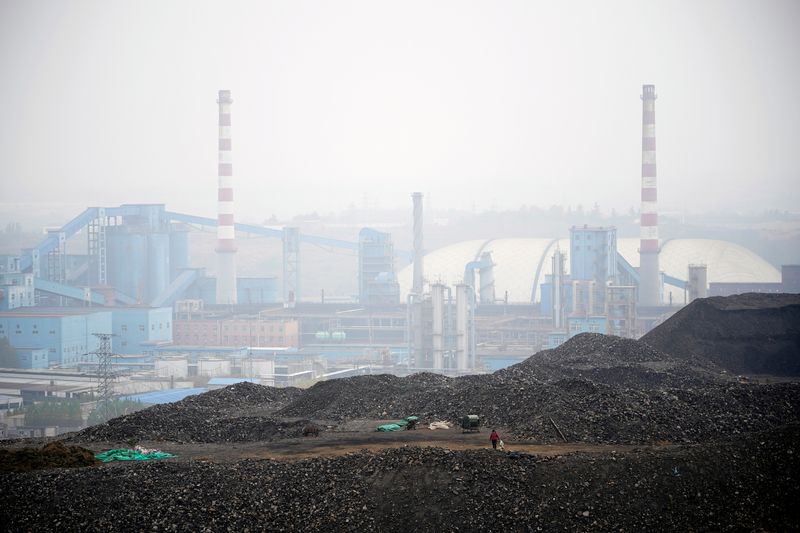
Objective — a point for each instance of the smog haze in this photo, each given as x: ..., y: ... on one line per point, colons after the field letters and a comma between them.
x: 340, y: 103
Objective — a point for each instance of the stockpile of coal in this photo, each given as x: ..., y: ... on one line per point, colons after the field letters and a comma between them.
x: 614, y: 361
x: 224, y: 415
x: 744, y: 334
x: 748, y: 484
x: 594, y: 388
x: 52, y: 455
x: 244, y: 396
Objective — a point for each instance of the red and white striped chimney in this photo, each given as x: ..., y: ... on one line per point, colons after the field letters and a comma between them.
x: 649, y: 283
x: 226, y: 243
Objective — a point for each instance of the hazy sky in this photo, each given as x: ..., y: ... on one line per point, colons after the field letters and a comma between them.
x: 474, y: 103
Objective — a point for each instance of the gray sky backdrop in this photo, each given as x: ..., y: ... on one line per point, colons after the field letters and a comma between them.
x: 474, y: 103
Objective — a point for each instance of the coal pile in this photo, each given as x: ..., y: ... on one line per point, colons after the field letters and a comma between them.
x: 749, y: 484
x: 52, y: 455
x: 231, y: 414
x: 614, y: 361
x: 595, y: 388
x: 244, y: 396
x: 744, y: 334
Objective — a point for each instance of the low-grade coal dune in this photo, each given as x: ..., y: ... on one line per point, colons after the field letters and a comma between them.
x: 752, y: 483
x: 744, y: 334
x: 667, y: 440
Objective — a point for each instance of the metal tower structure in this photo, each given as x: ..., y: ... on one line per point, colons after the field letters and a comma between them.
x: 105, y: 375
x: 226, y: 243
x: 98, y: 247
x: 649, y: 285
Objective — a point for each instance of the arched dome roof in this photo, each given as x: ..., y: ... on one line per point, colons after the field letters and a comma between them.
x: 521, y: 264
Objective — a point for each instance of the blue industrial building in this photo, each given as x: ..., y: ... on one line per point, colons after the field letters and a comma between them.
x: 593, y: 253
x: 587, y: 324
x: 32, y: 357
x: 65, y: 332
x: 16, y: 288
x: 137, y: 329
x: 377, y: 283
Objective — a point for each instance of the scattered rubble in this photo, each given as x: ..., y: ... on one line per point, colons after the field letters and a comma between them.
x: 749, y: 484
x: 52, y: 455
x: 744, y: 334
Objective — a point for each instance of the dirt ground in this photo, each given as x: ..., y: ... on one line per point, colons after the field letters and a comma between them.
x: 357, y: 436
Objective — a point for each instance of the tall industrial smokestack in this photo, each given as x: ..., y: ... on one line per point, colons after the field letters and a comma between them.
x: 226, y: 244
x: 418, y: 251
x: 649, y: 283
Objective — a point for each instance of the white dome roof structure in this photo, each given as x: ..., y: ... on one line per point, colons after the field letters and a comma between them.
x: 521, y: 264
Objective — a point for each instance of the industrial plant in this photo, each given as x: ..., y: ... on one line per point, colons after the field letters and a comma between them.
x: 468, y: 307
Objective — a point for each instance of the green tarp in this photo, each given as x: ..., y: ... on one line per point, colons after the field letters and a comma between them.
x: 399, y: 425
x: 130, y: 455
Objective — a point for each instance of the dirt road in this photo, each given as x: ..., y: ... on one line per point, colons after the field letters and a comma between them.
x: 336, y: 443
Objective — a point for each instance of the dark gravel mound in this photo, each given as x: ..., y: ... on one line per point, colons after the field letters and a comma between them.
x: 243, y: 395
x: 368, y: 397
x: 233, y: 414
x: 595, y: 388
x: 52, y: 455
x: 752, y: 484
x: 744, y: 334
x: 613, y: 361
x: 584, y: 410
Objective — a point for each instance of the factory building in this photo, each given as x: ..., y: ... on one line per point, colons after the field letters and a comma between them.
x: 16, y: 288
x: 137, y: 328
x: 449, y: 310
x: 522, y: 265
x: 65, y: 332
x: 377, y: 283
x: 32, y: 357
x: 241, y: 330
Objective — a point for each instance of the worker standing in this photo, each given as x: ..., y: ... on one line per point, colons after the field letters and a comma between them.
x: 494, y: 437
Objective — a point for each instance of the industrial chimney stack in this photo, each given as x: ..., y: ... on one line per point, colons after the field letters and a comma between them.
x: 226, y: 244
x: 418, y: 251
x: 649, y: 283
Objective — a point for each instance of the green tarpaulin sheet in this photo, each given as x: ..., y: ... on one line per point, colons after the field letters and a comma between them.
x: 399, y: 425
x: 130, y: 455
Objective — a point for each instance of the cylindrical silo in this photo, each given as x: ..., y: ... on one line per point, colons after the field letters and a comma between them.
x: 157, y: 264
x: 178, y: 249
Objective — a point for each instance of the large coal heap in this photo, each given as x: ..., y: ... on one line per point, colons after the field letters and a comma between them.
x: 595, y: 388
x: 744, y: 334
x: 237, y: 413
x: 613, y: 361
x: 752, y: 483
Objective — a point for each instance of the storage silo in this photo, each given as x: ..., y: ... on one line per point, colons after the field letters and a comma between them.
x: 158, y: 266
x: 178, y: 249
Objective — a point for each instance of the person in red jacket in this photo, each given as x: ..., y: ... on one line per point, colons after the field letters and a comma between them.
x: 494, y: 437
